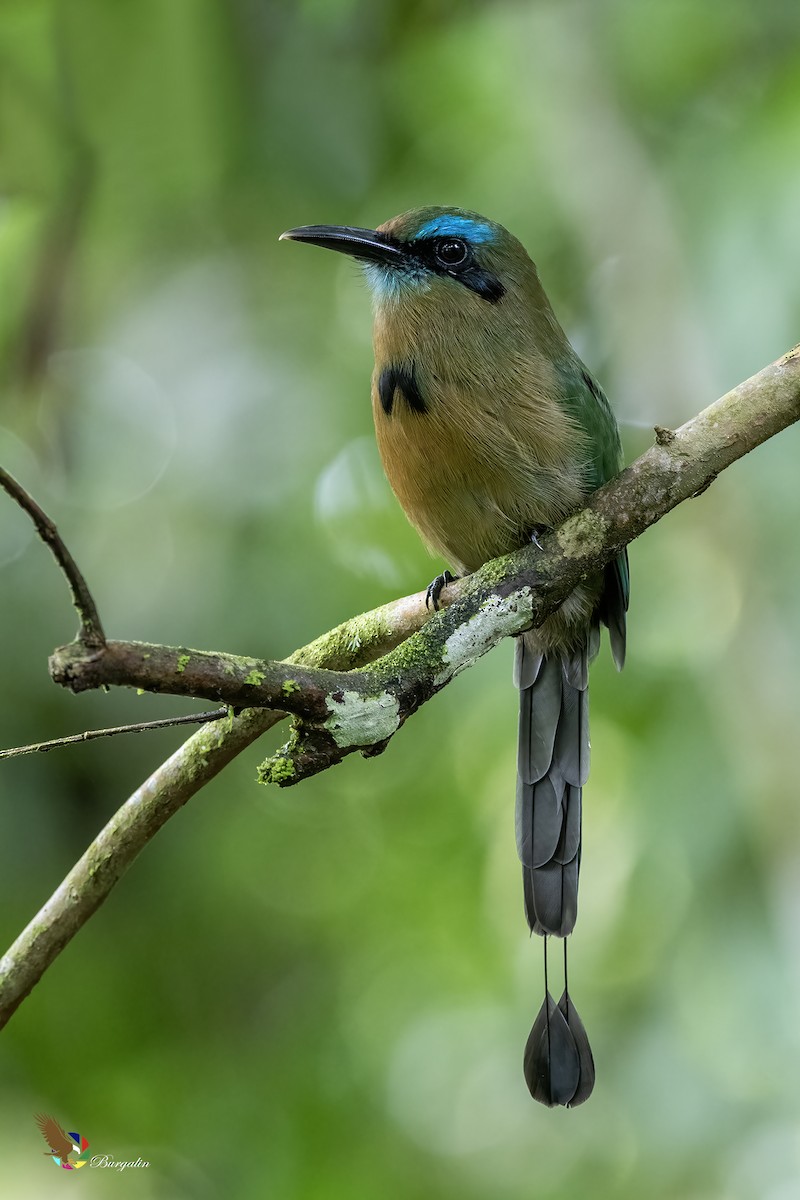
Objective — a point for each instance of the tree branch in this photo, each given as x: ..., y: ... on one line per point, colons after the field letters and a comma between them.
x: 345, y: 711
x: 503, y: 598
x: 91, y: 631
x: 195, y: 763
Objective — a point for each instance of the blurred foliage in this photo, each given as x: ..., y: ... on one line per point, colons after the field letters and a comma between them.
x: 325, y: 992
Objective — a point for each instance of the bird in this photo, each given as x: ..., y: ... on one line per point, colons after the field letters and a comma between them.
x: 492, y: 431
x: 60, y: 1145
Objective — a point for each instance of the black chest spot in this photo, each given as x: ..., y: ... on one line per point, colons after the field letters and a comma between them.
x: 400, y: 378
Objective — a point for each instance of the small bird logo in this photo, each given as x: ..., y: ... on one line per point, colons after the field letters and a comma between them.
x: 62, y: 1144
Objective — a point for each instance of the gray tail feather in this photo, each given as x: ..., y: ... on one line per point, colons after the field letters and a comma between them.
x: 558, y: 1063
x: 553, y: 765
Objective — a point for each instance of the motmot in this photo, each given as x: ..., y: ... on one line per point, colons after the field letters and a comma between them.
x: 492, y: 431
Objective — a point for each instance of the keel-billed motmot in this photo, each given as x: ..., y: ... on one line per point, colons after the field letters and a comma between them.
x: 491, y: 431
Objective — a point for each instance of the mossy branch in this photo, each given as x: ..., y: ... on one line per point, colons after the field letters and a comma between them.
x: 172, y: 784
x: 503, y: 598
x: 343, y: 711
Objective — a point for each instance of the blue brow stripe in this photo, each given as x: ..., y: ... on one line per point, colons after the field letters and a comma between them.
x: 454, y: 226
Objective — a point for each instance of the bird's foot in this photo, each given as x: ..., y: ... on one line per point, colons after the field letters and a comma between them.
x: 435, y: 588
x: 537, y: 532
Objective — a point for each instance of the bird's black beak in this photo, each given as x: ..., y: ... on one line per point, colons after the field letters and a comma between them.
x: 367, y: 244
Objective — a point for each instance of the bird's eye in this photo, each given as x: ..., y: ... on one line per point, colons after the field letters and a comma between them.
x: 451, y: 252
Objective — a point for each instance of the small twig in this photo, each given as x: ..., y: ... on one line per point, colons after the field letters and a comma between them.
x: 91, y: 633
x: 89, y: 735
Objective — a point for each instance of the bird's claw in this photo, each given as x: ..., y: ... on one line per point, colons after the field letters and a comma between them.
x: 537, y: 532
x: 435, y: 588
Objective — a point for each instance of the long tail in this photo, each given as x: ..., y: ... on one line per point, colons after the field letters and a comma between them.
x: 553, y: 765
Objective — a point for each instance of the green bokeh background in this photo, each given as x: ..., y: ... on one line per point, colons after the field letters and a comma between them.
x: 324, y: 992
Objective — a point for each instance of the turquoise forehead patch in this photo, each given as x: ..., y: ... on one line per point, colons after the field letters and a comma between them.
x: 451, y: 225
